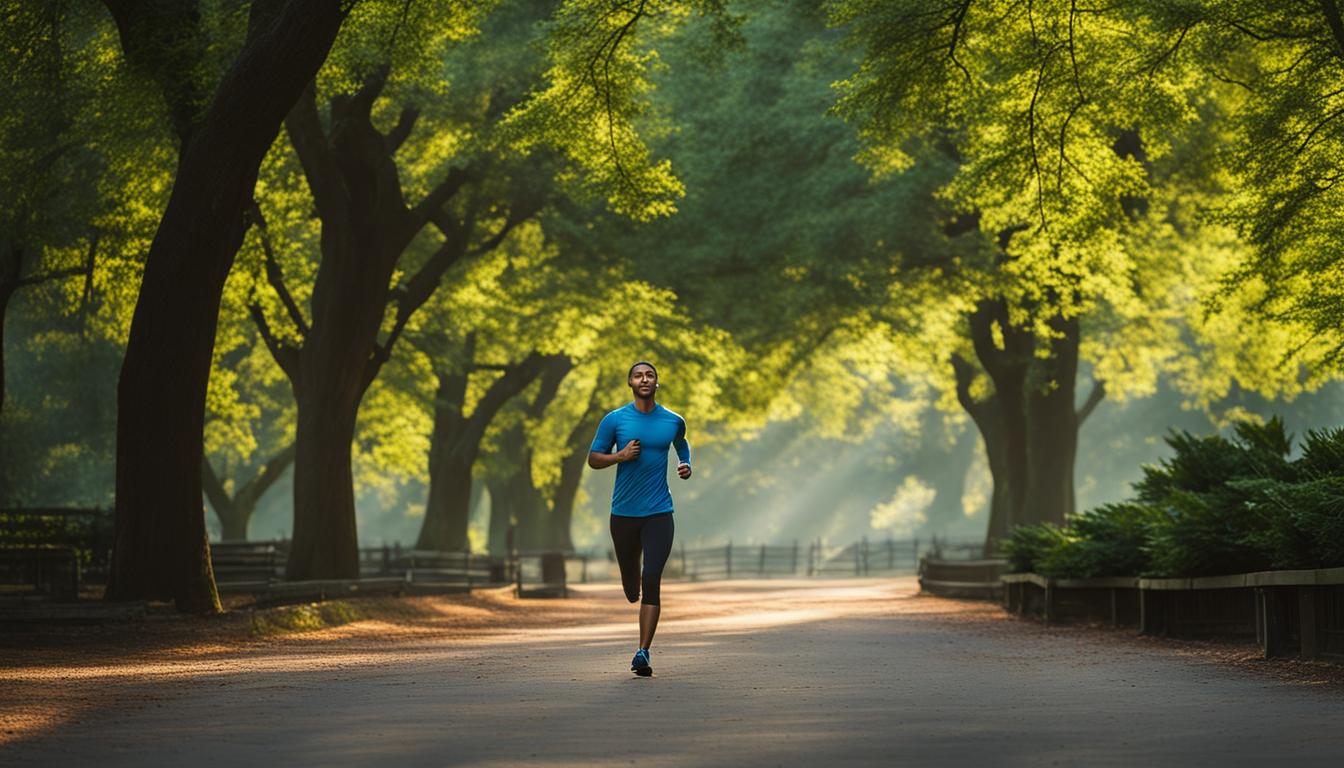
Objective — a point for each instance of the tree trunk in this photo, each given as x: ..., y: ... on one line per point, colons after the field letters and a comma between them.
x: 988, y: 418
x: 1052, y: 434
x: 571, y: 475
x: 523, y: 505
x: 1001, y: 418
x: 160, y: 549
x: 235, y: 512
x: 364, y: 226
x: 502, y: 501
x: 455, y: 443
x: 325, y: 540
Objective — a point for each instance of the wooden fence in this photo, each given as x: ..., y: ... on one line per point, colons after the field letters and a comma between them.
x: 1288, y: 612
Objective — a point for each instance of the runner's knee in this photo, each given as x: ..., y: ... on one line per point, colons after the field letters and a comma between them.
x: 651, y: 589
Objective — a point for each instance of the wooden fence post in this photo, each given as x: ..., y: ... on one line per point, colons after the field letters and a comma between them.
x: 793, y: 568
x: 1306, y: 612
x: 760, y: 570
x: 728, y: 558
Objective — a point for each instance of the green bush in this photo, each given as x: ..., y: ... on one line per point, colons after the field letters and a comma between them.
x: 1216, y: 506
x: 1028, y: 544
x: 1301, y: 524
x: 1109, y: 540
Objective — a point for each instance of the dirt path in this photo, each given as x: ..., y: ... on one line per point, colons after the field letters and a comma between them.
x: 759, y: 673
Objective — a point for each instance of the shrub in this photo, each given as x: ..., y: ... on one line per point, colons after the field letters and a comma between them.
x: 1202, y: 535
x: 1028, y: 544
x: 1217, y: 506
x: 1301, y: 524
x: 1109, y: 540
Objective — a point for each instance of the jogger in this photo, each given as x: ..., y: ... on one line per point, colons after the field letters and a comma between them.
x: 641, y: 503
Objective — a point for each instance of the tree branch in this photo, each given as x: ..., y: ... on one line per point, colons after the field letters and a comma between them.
x: 286, y: 355
x: 164, y: 41
x: 270, y: 472
x: 214, y: 488
x: 46, y: 277
x: 428, y: 208
x: 402, y: 130
x: 274, y: 275
x: 1094, y: 398
x: 1332, y: 20
x: 304, y: 126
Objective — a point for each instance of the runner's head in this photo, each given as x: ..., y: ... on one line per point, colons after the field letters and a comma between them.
x: 643, y: 379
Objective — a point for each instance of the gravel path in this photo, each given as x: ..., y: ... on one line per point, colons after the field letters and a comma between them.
x: 747, y: 673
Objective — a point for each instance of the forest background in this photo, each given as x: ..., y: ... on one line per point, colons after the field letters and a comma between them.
x: 363, y: 272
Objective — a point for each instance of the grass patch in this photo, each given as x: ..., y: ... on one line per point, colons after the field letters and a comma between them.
x: 286, y: 619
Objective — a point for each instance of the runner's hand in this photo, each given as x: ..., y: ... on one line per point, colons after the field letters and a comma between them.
x: 630, y: 452
x: 684, y: 471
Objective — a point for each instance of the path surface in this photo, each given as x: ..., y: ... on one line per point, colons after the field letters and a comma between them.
x: 748, y: 673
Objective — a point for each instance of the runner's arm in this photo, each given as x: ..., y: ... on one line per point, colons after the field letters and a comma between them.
x: 599, y: 460
x: 683, y: 452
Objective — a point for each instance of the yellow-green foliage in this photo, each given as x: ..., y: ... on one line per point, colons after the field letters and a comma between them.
x: 595, y: 104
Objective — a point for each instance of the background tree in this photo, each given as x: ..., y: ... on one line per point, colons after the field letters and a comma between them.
x: 225, y: 129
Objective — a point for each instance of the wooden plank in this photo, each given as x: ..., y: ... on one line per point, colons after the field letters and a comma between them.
x: 1281, y: 578
x: 1306, y: 611
x: 1099, y: 582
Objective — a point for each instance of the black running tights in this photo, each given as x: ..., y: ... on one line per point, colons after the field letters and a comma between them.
x: 653, y: 536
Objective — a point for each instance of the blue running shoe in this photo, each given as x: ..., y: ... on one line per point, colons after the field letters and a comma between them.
x: 640, y: 664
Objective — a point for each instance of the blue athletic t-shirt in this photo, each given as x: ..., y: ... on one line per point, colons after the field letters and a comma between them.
x: 641, y: 485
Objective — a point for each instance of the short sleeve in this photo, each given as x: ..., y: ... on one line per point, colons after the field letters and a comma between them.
x: 606, y: 434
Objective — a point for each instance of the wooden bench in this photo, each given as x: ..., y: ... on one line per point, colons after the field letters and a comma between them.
x: 49, y: 551
x: 962, y: 578
x: 246, y: 562
x: 51, y: 571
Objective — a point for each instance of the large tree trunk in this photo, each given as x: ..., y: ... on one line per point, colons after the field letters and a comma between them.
x: 160, y: 549
x: 1002, y: 418
x: 325, y: 540
x: 1052, y: 435
x: 520, y: 504
x: 571, y: 475
x: 988, y: 418
x: 455, y: 443
x: 365, y: 227
x: 1030, y: 425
